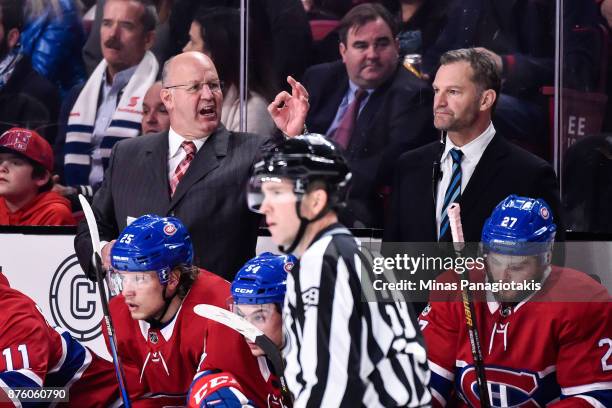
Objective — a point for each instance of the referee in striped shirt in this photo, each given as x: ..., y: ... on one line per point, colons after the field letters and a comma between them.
x: 339, y: 351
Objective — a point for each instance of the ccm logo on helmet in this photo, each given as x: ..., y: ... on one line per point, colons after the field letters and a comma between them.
x: 169, y: 229
x: 239, y: 290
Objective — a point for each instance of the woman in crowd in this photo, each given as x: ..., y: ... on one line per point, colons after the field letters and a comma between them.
x: 215, y: 32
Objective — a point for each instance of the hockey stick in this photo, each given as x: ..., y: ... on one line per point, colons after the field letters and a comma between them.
x: 95, y: 243
x: 253, y: 334
x: 454, y: 219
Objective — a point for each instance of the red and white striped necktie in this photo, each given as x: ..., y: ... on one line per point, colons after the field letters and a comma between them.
x: 181, y: 169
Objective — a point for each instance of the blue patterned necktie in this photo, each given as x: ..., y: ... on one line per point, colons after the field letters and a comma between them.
x: 453, y: 192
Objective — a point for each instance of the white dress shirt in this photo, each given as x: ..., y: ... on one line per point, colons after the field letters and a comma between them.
x: 472, y: 152
x: 175, y: 153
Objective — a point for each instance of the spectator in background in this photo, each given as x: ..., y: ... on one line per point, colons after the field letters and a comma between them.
x: 53, y: 38
x: 216, y: 33
x: 371, y: 106
x: 324, y: 16
x: 26, y: 163
x: 162, y: 47
x: 283, y: 25
x: 421, y: 21
x: 520, y: 38
x: 606, y: 10
x: 27, y: 99
x: 108, y: 108
x: 155, y: 117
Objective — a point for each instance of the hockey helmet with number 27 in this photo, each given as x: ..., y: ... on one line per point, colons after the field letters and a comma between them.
x: 519, y: 226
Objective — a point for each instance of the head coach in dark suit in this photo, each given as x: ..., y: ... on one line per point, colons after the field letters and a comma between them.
x: 473, y: 164
x: 371, y: 106
x: 197, y: 171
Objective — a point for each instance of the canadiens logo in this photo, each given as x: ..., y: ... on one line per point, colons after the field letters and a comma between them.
x: 507, y: 388
x: 289, y: 266
x: 544, y: 213
x: 17, y: 140
x: 169, y: 229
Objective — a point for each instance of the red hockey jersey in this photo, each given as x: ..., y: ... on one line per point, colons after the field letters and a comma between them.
x: 273, y: 385
x: 165, y: 361
x: 540, y: 351
x: 207, y: 389
x: 34, y: 355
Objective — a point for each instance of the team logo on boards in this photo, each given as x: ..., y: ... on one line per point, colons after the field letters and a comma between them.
x: 74, y: 301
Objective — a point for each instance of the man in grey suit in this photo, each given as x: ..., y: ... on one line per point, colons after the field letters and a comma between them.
x: 197, y: 171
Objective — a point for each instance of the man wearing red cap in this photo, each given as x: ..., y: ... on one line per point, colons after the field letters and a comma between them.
x: 26, y: 163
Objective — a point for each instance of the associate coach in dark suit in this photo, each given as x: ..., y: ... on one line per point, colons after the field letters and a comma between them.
x: 196, y: 171
x: 477, y: 168
x: 371, y: 106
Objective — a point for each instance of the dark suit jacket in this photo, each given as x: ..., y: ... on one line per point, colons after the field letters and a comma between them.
x: 396, y: 118
x: 521, y: 32
x: 29, y: 100
x: 503, y: 169
x: 210, y: 200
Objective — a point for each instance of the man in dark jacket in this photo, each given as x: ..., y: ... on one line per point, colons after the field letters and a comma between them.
x: 26, y: 98
x: 371, y: 106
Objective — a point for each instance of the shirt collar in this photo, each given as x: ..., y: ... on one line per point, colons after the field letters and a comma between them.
x: 121, y: 78
x: 175, y: 140
x: 474, y: 149
x: 353, y: 88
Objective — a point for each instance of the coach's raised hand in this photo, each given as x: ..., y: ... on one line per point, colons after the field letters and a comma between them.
x: 289, y: 110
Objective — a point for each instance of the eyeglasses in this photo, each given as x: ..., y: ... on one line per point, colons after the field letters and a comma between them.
x: 213, y: 86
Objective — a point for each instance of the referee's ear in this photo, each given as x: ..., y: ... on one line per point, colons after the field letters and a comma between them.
x: 314, y: 202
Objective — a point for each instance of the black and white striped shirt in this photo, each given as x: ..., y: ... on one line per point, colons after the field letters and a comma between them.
x: 340, y: 351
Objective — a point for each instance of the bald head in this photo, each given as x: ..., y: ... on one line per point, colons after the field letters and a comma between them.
x: 191, y: 94
x: 154, y: 115
x: 189, y: 58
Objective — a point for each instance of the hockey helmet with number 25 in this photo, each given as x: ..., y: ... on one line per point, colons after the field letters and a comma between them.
x: 152, y: 243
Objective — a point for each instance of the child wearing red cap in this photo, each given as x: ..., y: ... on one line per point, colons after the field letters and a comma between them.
x: 26, y: 164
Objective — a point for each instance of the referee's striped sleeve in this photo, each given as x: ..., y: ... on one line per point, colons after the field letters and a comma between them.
x: 344, y: 352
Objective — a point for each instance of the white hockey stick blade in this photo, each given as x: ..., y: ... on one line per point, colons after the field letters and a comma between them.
x: 246, y: 329
x: 91, y: 224
x: 229, y: 319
